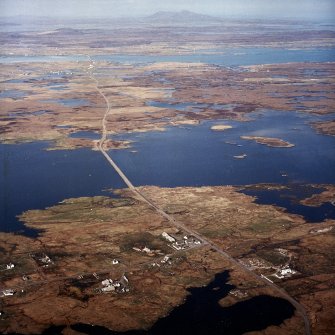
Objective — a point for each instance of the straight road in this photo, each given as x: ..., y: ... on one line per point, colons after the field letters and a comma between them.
x: 101, y: 146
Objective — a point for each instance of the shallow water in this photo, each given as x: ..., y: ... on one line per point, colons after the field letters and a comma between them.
x: 24, y: 114
x: 75, y: 102
x: 184, y: 106
x: 14, y: 94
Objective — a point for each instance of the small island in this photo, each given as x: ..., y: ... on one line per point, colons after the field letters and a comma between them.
x: 269, y: 141
x: 327, y: 127
x: 221, y: 127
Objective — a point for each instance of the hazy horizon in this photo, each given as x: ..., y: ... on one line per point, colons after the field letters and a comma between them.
x: 322, y: 10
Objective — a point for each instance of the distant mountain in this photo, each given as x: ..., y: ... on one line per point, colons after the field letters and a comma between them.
x: 184, y: 16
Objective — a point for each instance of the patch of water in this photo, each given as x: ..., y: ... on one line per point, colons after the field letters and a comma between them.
x: 290, y: 200
x: 63, y: 127
x: 75, y: 102
x: 224, y: 57
x: 233, y: 57
x: 33, y: 178
x: 198, y: 156
x: 201, y: 314
x: 58, y: 88
x: 13, y: 94
x: 25, y: 114
x: 86, y: 134
x: 185, y: 106
x: 189, y: 156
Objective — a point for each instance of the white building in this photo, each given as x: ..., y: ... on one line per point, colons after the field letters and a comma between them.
x: 6, y: 293
x: 168, y: 237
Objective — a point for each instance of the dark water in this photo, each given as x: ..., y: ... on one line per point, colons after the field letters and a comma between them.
x: 226, y: 57
x: 196, y: 156
x: 201, y: 314
x: 289, y: 199
x: 32, y: 178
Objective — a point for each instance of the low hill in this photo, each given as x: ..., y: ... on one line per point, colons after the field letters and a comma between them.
x: 182, y: 17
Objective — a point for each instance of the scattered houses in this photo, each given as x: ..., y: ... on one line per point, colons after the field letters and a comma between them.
x: 186, y: 242
x: 255, y: 263
x: 238, y: 293
x: 42, y: 259
x: 25, y: 278
x: 10, y: 266
x: 165, y: 261
x: 322, y: 230
x: 5, y: 267
x: 281, y: 272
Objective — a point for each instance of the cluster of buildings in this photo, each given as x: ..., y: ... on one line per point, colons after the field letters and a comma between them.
x: 165, y: 261
x: 181, y: 243
x: 148, y: 251
x: 255, y: 263
x: 118, y: 286
x: 281, y: 272
x: 284, y: 272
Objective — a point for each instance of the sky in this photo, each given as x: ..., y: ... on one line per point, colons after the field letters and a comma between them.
x: 302, y: 9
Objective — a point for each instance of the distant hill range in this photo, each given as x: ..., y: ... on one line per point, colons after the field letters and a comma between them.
x: 182, y: 17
